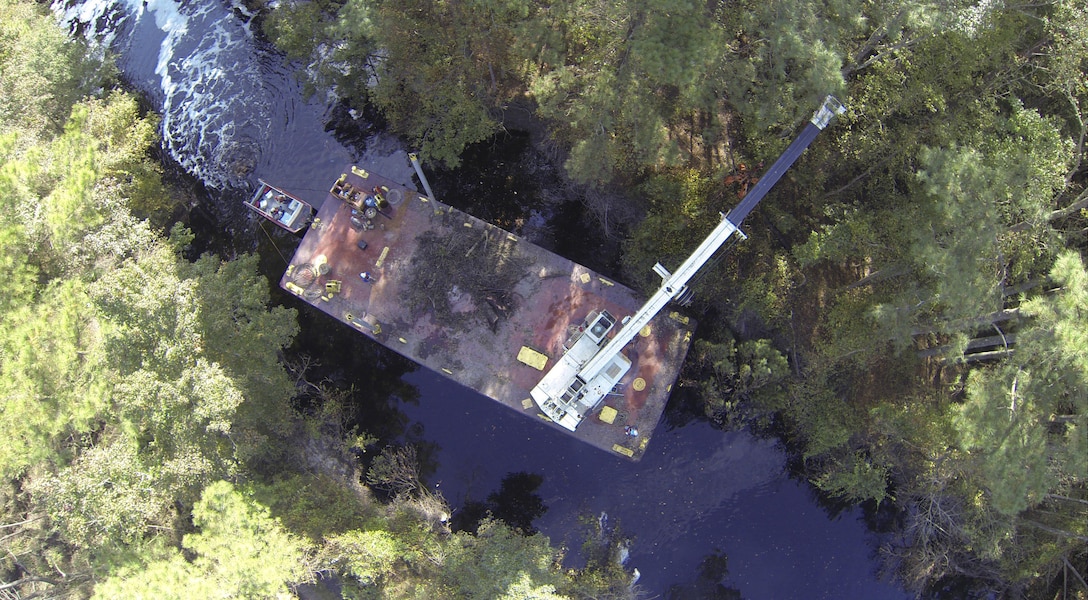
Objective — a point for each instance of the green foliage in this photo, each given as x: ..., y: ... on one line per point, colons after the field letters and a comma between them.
x: 172, y: 578
x: 499, y: 563
x: 826, y: 419
x: 241, y: 544
x: 760, y: 363
x: 948, y: 234
x: 314, y: 506
x: 108, y: 495
x: 299, y: 28
x: 248, y: 336
x: 70, y: 162
x: 766, y: 290
x: 789, y: 55
x: 440, y: 71
x: 448, y: 65
x: 72, y: 193
x: 625, y: 87
x: 52, y: 377
x: 44, y: 72
x: 732, y: 374
x: 857, y: 479
x: 130, y: 379
x: 839, y: 240
x: 118, y: 414
x: 122, y: 138
x: 1024, y: 420
x: 619, y: 82
x: 683, y: 206
x: 239, y: 551
x: 170, y: 394
x: 405, y: 560
x: 603, y: 545
x: 951, y: 162
x: 371, y: 557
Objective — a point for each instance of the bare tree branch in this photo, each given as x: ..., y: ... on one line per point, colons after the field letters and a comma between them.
x: 26, y: 581
x: 7, y: 525
x: 1076, y: 573
x: 1055, y: 530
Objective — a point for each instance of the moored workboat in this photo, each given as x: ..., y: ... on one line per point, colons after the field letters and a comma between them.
x: 280, y: 207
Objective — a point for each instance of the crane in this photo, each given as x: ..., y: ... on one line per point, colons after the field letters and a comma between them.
x: 592, y: 363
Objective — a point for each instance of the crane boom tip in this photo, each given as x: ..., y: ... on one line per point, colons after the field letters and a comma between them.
x: 827, y: 111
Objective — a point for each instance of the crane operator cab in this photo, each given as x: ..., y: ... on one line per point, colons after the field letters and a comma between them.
x: 566, y: 394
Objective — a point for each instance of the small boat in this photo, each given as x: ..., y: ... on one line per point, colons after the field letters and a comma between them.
x: 281, y: 208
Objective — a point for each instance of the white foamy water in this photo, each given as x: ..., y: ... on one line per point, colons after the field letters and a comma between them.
x: 231, y: 110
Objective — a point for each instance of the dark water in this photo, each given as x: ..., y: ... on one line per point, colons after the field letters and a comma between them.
x: 697, y: 491
x: 234, y: 112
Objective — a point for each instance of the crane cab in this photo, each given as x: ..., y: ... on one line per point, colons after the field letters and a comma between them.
x: 563, y: 395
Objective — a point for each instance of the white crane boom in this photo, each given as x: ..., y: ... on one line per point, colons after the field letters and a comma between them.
x: 588, y: 370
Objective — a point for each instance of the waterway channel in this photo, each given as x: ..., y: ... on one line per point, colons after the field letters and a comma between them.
x: 233, y: 111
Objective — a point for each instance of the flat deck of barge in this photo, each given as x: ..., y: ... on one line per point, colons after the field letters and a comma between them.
x: 477, y: 303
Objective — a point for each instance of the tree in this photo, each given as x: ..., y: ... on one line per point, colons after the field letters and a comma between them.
x: 438, y: 71
x: 51, y: 358
x: 44, y: 72
x: 954, y: 224
x: 249, y: 336
x: 1025, y: 420
x: 119, y: 412
x: 123, y: 136
x: 240, y: 551
x: 621, y: 83
x: 130, y: 378
x: 499, y: 563
x: 373, y: 558
x: 730, y: 374
x: 787, y: 57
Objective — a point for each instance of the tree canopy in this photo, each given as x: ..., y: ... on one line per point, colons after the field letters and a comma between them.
x: 908, y: 309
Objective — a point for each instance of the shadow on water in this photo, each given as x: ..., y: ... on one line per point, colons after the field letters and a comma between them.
x: 516, y: 503
x: 498, y: 181
x: 707, y: 584
x: 578, y: 236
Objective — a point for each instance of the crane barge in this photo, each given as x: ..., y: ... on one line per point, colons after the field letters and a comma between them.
x: 593, y: 362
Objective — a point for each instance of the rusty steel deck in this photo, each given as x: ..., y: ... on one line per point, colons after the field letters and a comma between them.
x: 477, y: 304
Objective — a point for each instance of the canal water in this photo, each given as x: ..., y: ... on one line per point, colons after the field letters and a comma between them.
x: 234, y: 112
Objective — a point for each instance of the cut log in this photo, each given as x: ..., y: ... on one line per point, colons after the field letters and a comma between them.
x: 990, y: 319
x: 975, y: 344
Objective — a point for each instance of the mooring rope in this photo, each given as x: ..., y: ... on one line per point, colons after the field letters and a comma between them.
x: 285, y: 261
